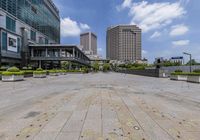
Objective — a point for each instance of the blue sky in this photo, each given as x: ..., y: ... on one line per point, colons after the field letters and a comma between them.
x: 169, y: 27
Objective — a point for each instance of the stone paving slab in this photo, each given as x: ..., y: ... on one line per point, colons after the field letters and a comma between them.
x: 109, y: 106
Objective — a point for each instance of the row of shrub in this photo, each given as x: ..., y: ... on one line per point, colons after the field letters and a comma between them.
x: 137, y: 68
x: 180, y: 72
x: 12, y: 71
x: 16, y: 71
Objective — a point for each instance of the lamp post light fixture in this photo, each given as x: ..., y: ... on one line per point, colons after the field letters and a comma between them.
x: 190, y: 60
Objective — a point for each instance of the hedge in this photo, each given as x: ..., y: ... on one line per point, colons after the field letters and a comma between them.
x: 137, y: 68
x: 186, y: 73
x: 74, y: 71
x: 7, y: 73
x: 13, y: 69
x: 53, y: 71
x: 39, y: 72
x: 26, y: 72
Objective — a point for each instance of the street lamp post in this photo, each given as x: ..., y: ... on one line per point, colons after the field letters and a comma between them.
x: 190, y: 60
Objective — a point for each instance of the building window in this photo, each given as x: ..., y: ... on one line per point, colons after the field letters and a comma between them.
x: 41, y: 40
x: 46, y: 41
x: 34, y: 9
x: 10, y: 24
x: 4, y: 41
x: 18, y: 44
x: 33, y: 35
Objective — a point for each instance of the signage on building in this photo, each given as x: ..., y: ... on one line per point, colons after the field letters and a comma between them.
x: 12, y: 43
x: 179, y: 57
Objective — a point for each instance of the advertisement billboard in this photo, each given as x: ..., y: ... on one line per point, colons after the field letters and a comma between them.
x: 12, y: 43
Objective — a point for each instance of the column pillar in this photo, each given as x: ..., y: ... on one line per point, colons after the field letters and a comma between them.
x: 46, y: 53
x: 32, y: 52
x: 73, y: 55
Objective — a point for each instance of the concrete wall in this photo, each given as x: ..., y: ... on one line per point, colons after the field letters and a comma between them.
x: 169, y: 70
x: 148, y: 72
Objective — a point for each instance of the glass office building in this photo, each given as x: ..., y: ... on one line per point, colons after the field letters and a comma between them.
x: 24, y: 22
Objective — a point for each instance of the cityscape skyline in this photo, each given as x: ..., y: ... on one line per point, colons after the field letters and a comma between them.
x: 164, y: 34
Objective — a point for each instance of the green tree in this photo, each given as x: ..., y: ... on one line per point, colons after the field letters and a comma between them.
x: 193, y: 62
x: 65, y: 65
x: 106, y: 67
x: 96, y: 66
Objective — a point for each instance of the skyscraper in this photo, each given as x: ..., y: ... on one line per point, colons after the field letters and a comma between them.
x: 89, y: 43
x: 123, y: 43
x: 24, y: 22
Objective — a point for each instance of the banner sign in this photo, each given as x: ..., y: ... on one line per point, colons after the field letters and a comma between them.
x: 12, y: 43
x: 179, y: 57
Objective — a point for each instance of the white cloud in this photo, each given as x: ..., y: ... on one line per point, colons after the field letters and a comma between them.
x: 150, y: 16
x: 144, y: 52
x: 155, y: 35
x: 84, y: 26
x: 178, y: 30
x: 71, y: 28
x: 125, y: 4
x: 181, y: 43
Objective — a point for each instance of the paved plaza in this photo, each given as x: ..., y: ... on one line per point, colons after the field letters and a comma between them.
x: 100, y: 106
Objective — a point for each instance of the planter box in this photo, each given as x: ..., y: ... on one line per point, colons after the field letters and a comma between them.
x: 193, y: 79
x: 53, y: 74
x: 39, y: 75
x: 12, y: 78
x: 179, y: 77
x: 62, y: 73
x: 74, y: 72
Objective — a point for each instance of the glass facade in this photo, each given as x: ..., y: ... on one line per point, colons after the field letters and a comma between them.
x: 18, y: 44
x: 4, y: 41
x: 10, y: 24
x: 37, y: 14
x: 33, y: 35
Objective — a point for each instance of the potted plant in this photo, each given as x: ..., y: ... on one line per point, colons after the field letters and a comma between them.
x: 53, y: 72
x: 194, y: 76
x: 61, y: 72
x: 39, y: 73
x: 179, y: 75
x: 12, y: 74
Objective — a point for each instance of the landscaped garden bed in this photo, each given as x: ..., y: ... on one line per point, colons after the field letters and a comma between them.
x: 28, y: 73
x: 179, y: 76
x: 193, y: 77
x: 12, y: 74
x: 74, y: 71
x: 62, y: 72
x: 39, y: 73
x: 53, y: 73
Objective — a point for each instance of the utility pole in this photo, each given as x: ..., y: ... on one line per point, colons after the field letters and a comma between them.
x: 190, y: 60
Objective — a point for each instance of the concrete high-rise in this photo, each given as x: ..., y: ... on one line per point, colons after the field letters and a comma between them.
x: 88, y: 41
x: 123, y: 43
